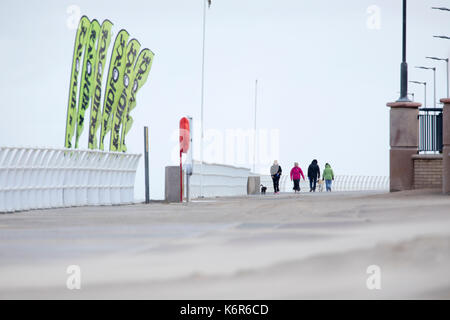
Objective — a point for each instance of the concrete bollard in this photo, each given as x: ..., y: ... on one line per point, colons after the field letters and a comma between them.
x: 172, y: 184
x: 253, y: 183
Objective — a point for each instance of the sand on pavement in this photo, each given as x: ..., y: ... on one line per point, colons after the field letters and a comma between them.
x: 259, y: 247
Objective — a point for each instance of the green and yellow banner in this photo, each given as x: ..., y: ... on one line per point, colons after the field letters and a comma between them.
x: 114, y: 84
x: 128, y: 71
x: 140, y: 75
x: 102, y: 49
x: 131, y: 55
x: 80, y: 43
x: 87, y: 77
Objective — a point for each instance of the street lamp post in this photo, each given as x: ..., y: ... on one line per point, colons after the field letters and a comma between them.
x: 442, y: 37
x: 446, y: 60
x: 202, y: 99
x: 404, y: 65
x: 434, y: 81
x: 255, y: 135
x: 425, y: 91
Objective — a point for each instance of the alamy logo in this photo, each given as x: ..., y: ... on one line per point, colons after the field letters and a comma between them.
x: 74, y: 12
x: 374, y: 280
x: 374, y: 19
x: 74, y: 279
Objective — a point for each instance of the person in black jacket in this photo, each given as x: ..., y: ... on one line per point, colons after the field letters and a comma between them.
x: 313, y: 175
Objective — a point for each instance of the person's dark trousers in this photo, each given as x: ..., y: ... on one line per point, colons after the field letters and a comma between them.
x: 312, y: 184
x: 297, y: 184
x: 276, y: 182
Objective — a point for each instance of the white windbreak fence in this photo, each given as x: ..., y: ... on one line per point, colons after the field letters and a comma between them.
x: 340, y: 183
x: 218, y: 180
x: 37, y: 178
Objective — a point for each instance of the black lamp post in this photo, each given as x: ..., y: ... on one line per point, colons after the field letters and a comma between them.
x: 404, y: 65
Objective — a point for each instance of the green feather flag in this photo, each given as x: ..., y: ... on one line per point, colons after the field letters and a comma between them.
x: 87, y: 77
x: 131, y: 55
x: 114, y: 83
x: 80, y: 43
x: 140, y: 75
x: 102, y: 49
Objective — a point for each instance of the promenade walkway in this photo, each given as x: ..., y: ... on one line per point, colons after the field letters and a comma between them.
x: 284, y: 246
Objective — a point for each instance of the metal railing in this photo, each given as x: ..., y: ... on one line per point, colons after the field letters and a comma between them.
x: 430, y: 130
x: 37, y: 178
x: 340, y: 183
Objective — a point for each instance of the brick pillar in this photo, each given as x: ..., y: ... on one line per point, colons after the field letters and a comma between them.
x: 404, y: 142
x: 446, y: 149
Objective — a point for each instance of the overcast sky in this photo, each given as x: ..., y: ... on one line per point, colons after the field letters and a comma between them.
x: 326, y: 70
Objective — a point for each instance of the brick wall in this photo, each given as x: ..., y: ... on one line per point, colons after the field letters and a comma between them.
x: 427, y: 171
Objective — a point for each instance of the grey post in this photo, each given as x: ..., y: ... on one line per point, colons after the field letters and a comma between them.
x: 190, y: 160
x: 147, y: 185
x: 434, y: 82
x: 255, y: 140
x: 446, y: 61
x: 425, y: 92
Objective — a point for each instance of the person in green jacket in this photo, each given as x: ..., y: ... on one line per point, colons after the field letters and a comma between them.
x: 328, y: 176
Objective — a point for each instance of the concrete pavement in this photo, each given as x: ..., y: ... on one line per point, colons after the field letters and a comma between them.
x: 275, y: 246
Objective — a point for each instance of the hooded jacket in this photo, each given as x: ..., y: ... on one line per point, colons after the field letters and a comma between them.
x: 313, y: 170
x: 328, y: 173
x: 296, y: 172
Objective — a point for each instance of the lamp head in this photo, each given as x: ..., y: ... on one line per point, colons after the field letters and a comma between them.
x: 442, y: 37
x: 425, y: 68
x: 440, y: 8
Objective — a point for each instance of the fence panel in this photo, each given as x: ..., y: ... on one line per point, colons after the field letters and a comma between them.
x: 218, y: 180
x: 430, y: 130
x: 35, y: 178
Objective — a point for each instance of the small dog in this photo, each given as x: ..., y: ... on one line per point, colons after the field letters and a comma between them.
x: 320, y: 185
x: 263, y: 189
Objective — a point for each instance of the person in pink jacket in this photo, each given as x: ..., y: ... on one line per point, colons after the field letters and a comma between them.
x: 296, y: 174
